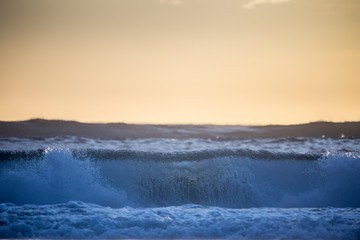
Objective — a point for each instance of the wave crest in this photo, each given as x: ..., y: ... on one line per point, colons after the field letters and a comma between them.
x: 105, y: 154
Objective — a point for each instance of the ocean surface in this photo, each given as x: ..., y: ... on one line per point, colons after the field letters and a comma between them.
x: 183, y: 184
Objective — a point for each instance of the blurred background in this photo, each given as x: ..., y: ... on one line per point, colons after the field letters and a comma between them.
x: 180, y: 61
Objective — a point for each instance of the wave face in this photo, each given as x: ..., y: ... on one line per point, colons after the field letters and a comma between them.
x: 233, y: 178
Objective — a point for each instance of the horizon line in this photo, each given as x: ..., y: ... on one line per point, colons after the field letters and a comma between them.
x: 180, y: 123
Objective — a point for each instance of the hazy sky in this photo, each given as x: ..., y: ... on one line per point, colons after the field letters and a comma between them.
x: 180, y: 61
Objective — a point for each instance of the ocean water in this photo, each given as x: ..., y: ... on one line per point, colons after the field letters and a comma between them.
x: 252, y: 188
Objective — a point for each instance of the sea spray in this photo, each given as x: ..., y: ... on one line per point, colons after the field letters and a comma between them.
x: 56, y: 178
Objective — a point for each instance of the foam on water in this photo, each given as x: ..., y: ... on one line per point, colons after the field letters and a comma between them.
x: 80, y: 220
x: 297, y: 145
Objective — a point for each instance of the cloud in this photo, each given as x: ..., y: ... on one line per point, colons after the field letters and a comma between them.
x: 173, y: 2
x: 252, y: 3
x: 249, y: 5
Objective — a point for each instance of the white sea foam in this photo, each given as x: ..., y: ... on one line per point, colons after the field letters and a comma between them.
x: 297, y: 145
x: 80, y: 220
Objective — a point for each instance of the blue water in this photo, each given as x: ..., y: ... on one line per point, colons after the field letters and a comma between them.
x: 73, y: 187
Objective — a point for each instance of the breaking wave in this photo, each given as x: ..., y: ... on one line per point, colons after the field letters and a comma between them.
x: 233, y: 178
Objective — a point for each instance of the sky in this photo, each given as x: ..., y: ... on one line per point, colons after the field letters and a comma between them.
x: 251, y: 62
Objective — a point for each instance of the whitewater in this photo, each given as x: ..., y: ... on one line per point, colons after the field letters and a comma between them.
x: 188, y: 187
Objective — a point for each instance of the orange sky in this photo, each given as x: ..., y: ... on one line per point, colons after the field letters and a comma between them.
x: 180, y: 61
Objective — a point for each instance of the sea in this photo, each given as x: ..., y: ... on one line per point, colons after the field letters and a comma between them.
x: 194, y: 182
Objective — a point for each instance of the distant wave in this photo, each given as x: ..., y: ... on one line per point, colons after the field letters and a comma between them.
x: 226, y: 178
x: 52, y: 128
